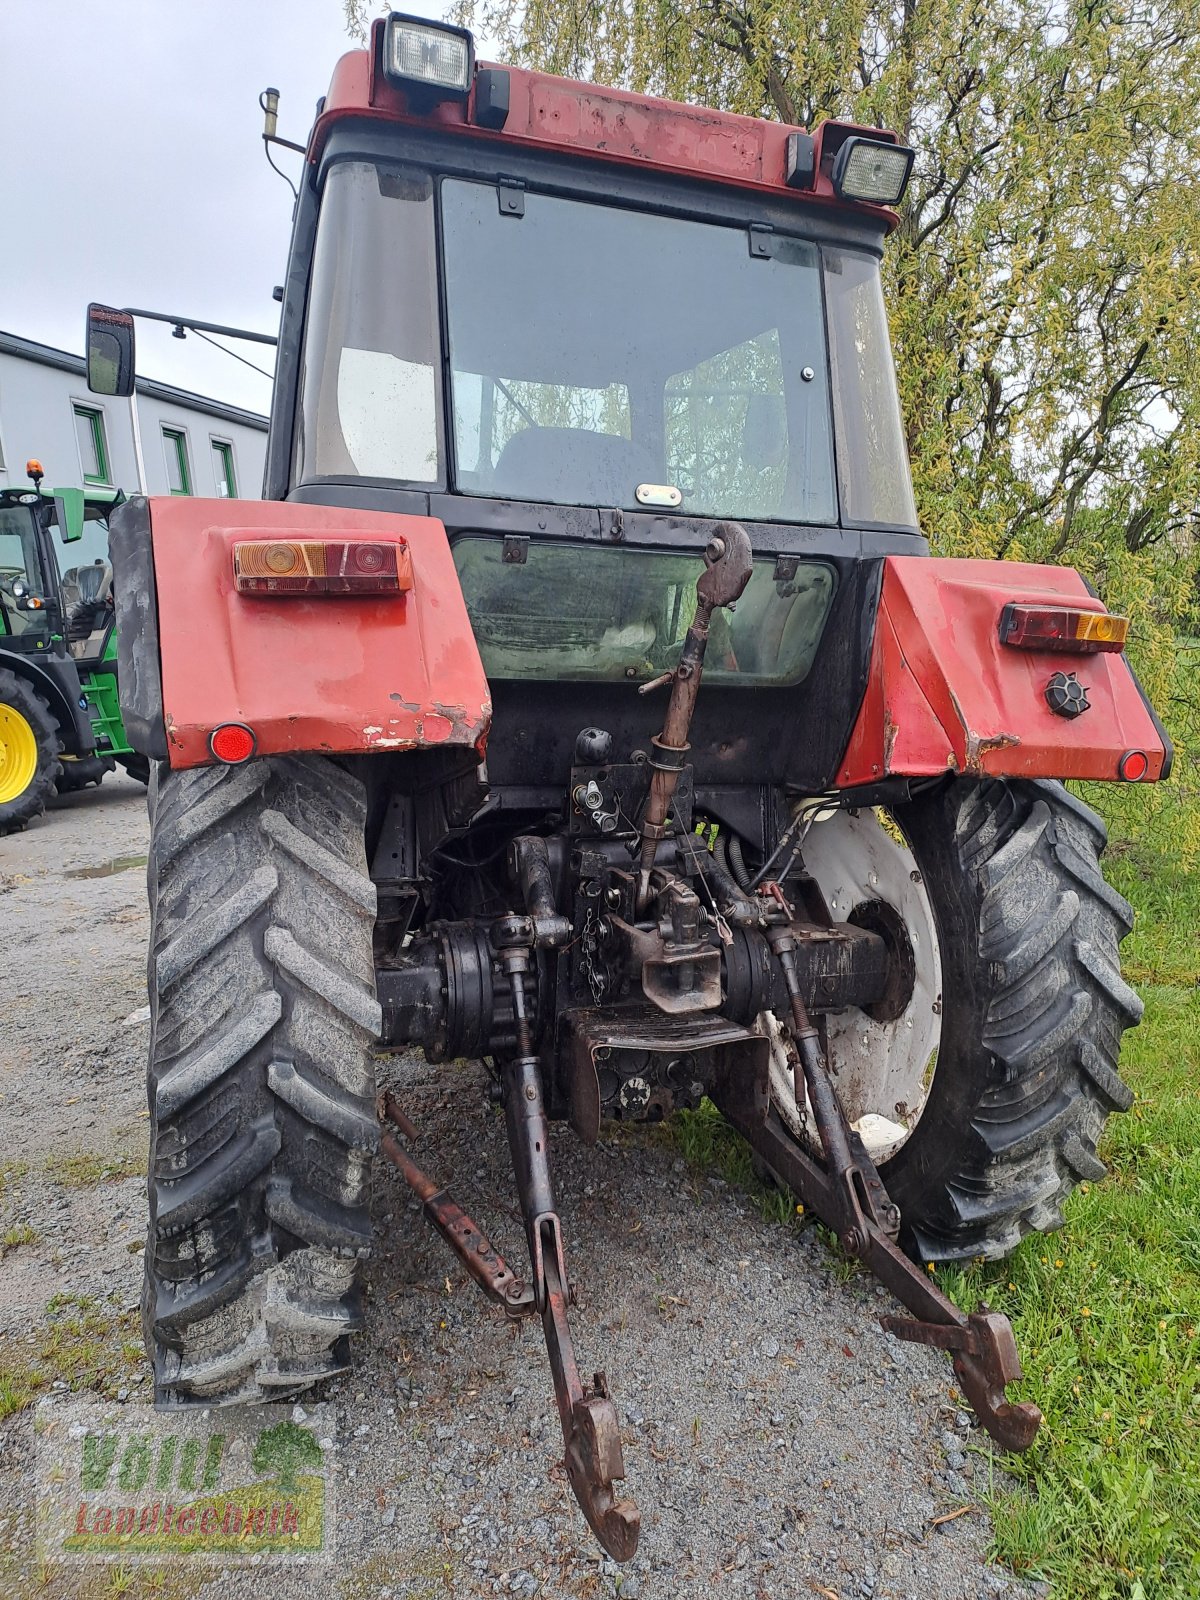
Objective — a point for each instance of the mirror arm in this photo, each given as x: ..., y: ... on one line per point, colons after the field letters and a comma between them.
x: 202, y: 327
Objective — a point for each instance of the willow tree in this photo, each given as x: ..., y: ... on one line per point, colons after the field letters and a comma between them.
x: 1045, y: 279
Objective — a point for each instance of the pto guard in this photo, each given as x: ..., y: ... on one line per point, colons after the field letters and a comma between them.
x: 943, y: 694
x: 336, y: 674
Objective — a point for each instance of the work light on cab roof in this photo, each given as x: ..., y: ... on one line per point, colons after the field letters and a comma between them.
x: 428, y: 55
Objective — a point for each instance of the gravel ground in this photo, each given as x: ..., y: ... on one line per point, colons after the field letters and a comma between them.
x: 778, y: 1443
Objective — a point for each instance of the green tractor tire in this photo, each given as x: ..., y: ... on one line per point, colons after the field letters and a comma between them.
x: 29, y: 748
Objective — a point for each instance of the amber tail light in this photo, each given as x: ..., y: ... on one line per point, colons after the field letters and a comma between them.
x: 321, y: 566
x: 1062, y: 628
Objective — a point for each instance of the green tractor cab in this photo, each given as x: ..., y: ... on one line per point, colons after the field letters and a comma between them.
x: 60, y: 722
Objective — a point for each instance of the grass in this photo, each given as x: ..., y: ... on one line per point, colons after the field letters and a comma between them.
x: 13, y: 1238
x: 83, y: 1343
x: 11, y: 1172
x: 103, y: 1581
x: 84, y: 1170
x: 1106, y: 1312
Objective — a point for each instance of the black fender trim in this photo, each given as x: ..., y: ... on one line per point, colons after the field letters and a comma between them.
x: 139, y: 665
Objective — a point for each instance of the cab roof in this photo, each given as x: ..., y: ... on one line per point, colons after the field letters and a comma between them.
x: 633, y: 130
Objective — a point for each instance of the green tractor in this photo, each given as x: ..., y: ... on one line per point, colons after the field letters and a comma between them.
x: 60, y: 721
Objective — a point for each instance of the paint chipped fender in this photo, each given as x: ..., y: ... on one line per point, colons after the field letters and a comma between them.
x: 945, y: 695
x: 341, y: 675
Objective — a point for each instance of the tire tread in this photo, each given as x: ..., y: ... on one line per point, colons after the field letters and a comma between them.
x: 1053, y: 1007
x: 260, y: 1084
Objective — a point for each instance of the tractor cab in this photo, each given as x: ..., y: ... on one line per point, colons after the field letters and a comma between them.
x: 29, y: 612
x: 592, y: 342
x: 60, y: 719
x: 39, y: 605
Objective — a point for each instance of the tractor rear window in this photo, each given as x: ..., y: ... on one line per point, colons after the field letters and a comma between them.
x: 594, y: 350
x: 611, y: 612
x: 598, y: 356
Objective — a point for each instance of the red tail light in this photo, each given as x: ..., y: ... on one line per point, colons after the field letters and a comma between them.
x: 321, y: 566
x: 1062, y: 628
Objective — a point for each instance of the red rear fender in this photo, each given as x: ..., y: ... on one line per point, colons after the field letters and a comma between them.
x: 943, y: 693
x: 342, y: 674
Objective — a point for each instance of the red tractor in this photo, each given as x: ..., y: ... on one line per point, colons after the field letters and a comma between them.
x: 582, y: 697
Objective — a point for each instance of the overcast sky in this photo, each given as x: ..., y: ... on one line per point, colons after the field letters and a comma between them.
x: 132, y: 168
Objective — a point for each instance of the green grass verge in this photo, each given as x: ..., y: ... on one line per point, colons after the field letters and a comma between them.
x: 82, y: 1169
x: 1107, y: 1319
x: 1106, y: 1312
x: 86, y: 1344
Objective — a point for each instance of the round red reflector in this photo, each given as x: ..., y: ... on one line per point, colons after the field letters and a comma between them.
x: 368, y: 558
x: 232, y: 743
x: 1134, y: 766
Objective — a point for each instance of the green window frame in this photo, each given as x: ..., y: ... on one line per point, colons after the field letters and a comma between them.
x: 93, y: 445
x: 223, y: 470
x: 179, y: 469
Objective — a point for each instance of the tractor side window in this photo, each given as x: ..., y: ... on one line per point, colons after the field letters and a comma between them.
x: 20, y: 573
x: 17, y: 559
x: 369, y: 395
x: 873, y: 472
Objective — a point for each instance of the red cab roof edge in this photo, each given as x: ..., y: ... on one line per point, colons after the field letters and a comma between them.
x: 584, y: 119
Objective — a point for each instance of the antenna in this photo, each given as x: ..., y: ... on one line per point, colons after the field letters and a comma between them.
x: 269, y: 102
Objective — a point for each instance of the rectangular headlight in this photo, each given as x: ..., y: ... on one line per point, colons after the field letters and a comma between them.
x: 868, y: 170
x: 430, y: 54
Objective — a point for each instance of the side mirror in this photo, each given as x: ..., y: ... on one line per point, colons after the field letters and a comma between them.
x: 110, y: 364
x: 68, y: 507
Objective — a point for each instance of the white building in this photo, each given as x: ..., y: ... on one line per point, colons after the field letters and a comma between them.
x: 190, y: 444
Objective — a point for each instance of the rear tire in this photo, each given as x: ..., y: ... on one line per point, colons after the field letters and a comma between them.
x: 29, y: 749
x: 1034, y: 1007
x: 261, y: 1083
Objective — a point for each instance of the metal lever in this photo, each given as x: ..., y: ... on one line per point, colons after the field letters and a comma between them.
x: 982, y: 1345
x: 984, y: 1354
x: 591, y: 1437
x: 729, y: 561
x: 465, y: 1237
x: 848, y: 1194
x: 860, y: 1197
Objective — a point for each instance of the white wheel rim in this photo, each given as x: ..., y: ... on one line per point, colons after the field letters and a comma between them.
x: 882, y: 1070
